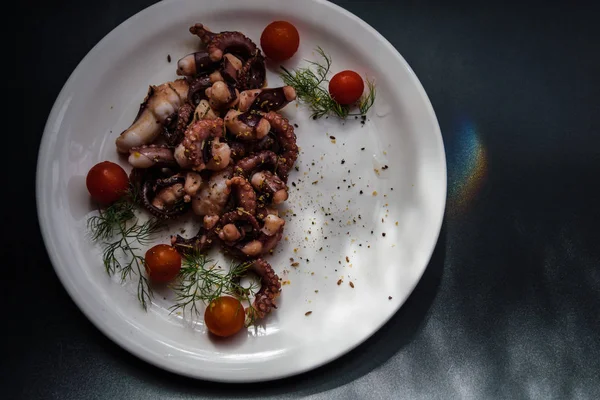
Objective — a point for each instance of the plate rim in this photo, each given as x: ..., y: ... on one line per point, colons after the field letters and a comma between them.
x: 122, y: 340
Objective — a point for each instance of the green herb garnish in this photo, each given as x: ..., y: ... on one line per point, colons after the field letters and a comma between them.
x: 307, y: 83
x: 120, y: 232
x: 201, y: 279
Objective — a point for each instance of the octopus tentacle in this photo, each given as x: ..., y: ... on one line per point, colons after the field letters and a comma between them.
x: 270, y: 184
x: 254, y: 242
x: 232, y: 217
x: 234, y: 227
x: 253, y: 73
x: 240, y: 150
x: 286, y: 137
x: 161, y: 102
x: 247, y: 126
x: 246, y: 166
x: 196, y: 136
x: 244, y: 194
x: 195, y: 63
x: 266, y: 99
x: 177, y: 124
x: 218, y: 44
x: 201, y: 242
x: 198, y: 88
x: 263, y: 244
x: 263, y: 211
x: 164, y: 197
x: 152, y: 155
x: 270, y: 288
x: 272, y: 225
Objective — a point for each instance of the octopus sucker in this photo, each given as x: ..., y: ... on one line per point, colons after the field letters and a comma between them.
x: 217, y: 44
x: 151, y: 156
x: 160, y: 103
x: 284, y: 133
x: 247, y: 126
x: 270, y: 288
x: 266, y: 99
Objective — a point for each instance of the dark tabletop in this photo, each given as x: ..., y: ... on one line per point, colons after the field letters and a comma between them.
x: 508, y: 306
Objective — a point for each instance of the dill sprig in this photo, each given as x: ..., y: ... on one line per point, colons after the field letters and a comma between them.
x: 307, y: 83
x: 121, y: 234
x: 108, y: 221
x: 202, y: 280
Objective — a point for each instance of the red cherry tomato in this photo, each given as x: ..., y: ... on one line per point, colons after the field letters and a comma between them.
x: 163, y: 263
x: 107, y: 182
x: 224, y: 316
x: 346, y: 87
x: 280, y: 40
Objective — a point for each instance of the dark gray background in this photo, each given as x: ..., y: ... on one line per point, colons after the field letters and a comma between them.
x: 508, y: 307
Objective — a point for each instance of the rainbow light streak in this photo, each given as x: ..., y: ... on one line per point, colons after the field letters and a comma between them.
x: 468, y: 170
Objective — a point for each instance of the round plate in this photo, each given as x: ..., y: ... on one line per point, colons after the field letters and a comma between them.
x: 365, y: 209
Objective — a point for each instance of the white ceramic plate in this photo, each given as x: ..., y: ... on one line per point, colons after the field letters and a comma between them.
x: 333, y: 220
